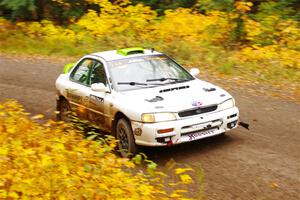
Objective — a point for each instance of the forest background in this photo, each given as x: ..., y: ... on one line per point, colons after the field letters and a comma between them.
x: 258, y: 40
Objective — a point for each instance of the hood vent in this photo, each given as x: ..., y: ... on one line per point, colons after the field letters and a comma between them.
x: 156, y: 99
x: 175, y: 88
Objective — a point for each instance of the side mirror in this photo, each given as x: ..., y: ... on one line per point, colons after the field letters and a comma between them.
x: 99, y: 87
x: 194, y: 71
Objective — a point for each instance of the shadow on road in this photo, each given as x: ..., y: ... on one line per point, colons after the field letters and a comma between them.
x: 180, y: 152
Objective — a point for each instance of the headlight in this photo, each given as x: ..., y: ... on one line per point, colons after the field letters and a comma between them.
x: 158, y: 117
x: 226, y: 104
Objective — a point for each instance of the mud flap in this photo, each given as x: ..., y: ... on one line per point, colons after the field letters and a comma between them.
x: 244, y: 125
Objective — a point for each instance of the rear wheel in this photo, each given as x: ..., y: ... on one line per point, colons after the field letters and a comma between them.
x: 64, y: 111
x: 126, y: 142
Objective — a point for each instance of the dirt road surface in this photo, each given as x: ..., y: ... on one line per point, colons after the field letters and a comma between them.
x: 262, y: 164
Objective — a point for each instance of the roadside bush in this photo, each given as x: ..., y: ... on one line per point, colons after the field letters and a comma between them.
x: 51, y: 160
x: 258, y: 42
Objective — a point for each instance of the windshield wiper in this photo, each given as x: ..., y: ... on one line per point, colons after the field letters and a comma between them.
x: 164, y: 79
x: 136, y: 83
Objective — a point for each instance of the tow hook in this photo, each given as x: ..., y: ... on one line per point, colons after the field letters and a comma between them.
x: 169, y: 143
x: 244, y: 125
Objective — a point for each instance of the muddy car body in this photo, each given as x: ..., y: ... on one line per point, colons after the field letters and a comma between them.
x: 144, y: 98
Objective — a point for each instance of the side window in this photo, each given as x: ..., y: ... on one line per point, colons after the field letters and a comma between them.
x: 98, y: 73
x: 81, y: 73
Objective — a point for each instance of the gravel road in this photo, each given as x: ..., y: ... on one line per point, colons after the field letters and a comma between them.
x: 263, y: 163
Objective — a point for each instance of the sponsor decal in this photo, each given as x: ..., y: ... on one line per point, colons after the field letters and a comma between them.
x: 195, y: 136
x: 96, y: 99
x: 138, y: 131
x: 197, y: 103
x: 85, y: 100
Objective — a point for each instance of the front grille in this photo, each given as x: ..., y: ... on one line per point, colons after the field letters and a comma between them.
x: 197, y: 111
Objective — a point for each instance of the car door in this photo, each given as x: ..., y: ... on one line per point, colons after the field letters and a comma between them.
x: 99, y: 104
x: 79, y: 88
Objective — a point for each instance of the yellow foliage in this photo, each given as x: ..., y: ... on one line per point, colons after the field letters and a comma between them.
x: 53, y: 161
x: 252, y: 28
x: 271, y: 53
x: 243, y: 6
x: 4, y: 25
x: 182, y: 32
x: 190, y: 26
x: 186, y: 179
x: 47, y: 31
x: 182, y: 170
x: 118, y: 19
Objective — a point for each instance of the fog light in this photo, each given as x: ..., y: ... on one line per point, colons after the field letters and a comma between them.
x: 165, y: 130
x: 165, y: 140
x: 231, y: 124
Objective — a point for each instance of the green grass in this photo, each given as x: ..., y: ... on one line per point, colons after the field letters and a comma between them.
x: 226, y: 67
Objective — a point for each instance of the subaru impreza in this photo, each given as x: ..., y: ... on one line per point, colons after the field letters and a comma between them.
x: 144, y: 98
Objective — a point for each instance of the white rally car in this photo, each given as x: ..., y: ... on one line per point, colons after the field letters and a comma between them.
x: 144, y: 98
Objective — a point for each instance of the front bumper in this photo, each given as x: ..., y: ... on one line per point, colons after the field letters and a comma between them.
x: 186, y: 129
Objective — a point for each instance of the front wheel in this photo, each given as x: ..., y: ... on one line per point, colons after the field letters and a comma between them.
x: 126, y: 142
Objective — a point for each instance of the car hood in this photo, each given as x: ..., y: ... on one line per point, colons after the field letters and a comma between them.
x: 173, y: 97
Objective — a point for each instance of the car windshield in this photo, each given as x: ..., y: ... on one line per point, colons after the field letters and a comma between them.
x: 146, y: 71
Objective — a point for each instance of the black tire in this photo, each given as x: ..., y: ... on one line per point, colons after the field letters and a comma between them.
x: 126, y: 143
x: 64, y: 111
x: 222, y: 135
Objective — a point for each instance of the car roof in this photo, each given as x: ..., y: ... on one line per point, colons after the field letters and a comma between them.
x: 114, y: 55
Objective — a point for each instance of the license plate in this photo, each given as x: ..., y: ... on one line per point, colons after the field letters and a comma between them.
x: 198, y: 135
